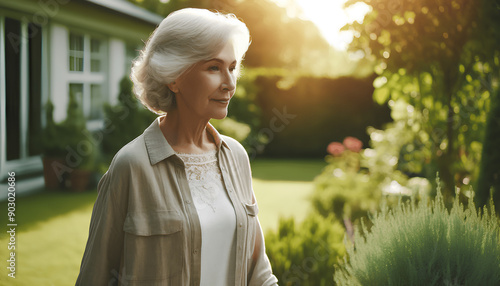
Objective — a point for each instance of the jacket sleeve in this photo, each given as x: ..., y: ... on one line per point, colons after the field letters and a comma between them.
x: 260, y: 273
x: 102, y: 256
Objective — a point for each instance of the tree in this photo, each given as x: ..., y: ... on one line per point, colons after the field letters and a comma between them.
x: 489, y: 178
x: 278, y: 40
x: 488, y: 43
x: 427, y: 57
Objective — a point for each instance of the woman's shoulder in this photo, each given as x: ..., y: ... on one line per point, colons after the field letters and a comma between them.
x: 127, y: 165
x: 131, y: 155
x: 238, y: 151
x: 234, y: 145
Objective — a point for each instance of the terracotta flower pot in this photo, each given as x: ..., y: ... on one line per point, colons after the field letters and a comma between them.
x: 79, y: 180
x: 54, y: 179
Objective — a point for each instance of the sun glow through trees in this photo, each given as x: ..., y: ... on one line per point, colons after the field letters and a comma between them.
x: 329, y: 16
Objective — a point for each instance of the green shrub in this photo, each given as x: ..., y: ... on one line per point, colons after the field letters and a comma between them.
x: 305, y: 255
x: 78, y: 148
x: 53, y: 134
x: 355, y: 180
x: 68, y: 139
x: 345, y: 194
x: 425, y: 244
x: 345, y: 189
x: 124, y: 121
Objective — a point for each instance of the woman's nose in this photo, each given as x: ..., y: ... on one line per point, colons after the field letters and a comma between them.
x: 229, y: 81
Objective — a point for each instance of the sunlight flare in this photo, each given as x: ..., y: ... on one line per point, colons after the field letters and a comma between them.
x: 329, y: 16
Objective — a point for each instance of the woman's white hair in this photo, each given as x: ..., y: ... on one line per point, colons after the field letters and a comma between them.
x: 184, y: 38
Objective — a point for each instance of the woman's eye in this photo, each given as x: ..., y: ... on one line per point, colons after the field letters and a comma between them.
x: 232, y: 69
x: 214, y: 68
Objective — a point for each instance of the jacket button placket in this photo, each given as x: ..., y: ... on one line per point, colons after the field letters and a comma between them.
x: 240, y: 231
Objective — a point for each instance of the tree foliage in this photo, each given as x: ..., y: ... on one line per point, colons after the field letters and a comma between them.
x: 489, y: 178
x: 278, y: 39
x: 438, y: 59
x: 488, y: 45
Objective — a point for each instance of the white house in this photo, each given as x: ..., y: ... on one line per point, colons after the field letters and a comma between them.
x: 49, y: 48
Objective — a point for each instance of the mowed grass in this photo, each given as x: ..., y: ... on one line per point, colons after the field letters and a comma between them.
x: 50, y: 238
x: 53, y: 226
x: 282, y: 188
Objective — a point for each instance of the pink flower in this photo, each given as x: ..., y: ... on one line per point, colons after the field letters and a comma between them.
x: 335, y: 148
x: 353, y: 144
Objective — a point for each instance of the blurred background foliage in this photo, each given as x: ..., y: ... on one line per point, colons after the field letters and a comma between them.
x: 437, y: 64
x: 123, y: 122
x: 278, y: 39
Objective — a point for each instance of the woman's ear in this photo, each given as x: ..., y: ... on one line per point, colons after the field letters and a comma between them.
x: 173, y: 87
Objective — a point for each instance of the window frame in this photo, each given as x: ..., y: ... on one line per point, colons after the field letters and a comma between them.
x: 87, y: 77
x: 26, y: 163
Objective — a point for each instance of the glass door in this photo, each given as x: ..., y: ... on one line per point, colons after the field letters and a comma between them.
x: 21, y: 95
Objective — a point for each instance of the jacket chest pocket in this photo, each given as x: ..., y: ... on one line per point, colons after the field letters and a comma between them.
x: 252, y: 210
x: 153, y: 247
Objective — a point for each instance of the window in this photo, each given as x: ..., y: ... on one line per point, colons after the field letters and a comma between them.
x: 35, y: 90
x: 75, y: 52
x: 96, y: 102
x: 95, y: 55
x: 13, y: 89
x: 22, y: 87
x: 87, y: 73
x: 77, y: 90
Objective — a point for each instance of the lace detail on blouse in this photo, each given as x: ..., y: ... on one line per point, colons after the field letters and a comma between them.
x: 204, y: 177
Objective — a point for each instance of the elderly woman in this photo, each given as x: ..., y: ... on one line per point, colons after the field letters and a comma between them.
x: 176, y: 206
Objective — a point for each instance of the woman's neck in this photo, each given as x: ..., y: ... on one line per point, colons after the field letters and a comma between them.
x: 186, y: 134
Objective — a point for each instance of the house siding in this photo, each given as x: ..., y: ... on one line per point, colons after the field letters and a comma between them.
x: 116, y: 67
x: 58, y: 69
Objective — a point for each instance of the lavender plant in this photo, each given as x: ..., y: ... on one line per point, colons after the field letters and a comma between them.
x: 425, y: 244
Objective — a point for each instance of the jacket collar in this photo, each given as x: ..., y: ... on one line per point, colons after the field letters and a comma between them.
x: 158, y: 147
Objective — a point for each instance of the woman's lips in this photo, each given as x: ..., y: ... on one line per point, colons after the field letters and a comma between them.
x: 221, y: 101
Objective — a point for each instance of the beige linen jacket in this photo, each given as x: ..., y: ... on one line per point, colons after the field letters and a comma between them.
x: 145, y: 229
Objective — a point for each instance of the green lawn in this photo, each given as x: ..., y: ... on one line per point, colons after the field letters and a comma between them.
x: 53, y: 226
x: 282, y: 188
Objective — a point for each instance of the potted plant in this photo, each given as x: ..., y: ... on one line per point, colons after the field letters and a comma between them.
x: 69, y: 157
x: 80, y: 153
x: 53, y: 142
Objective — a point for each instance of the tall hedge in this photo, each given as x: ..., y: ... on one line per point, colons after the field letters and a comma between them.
x: 301, y: 117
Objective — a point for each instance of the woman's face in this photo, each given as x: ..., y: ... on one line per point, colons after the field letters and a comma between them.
x: 206, y: 88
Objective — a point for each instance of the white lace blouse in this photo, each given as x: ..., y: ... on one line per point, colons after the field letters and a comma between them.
x: 217, y: 218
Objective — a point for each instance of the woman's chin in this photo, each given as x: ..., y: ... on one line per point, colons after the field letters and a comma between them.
x: 220, y: 114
